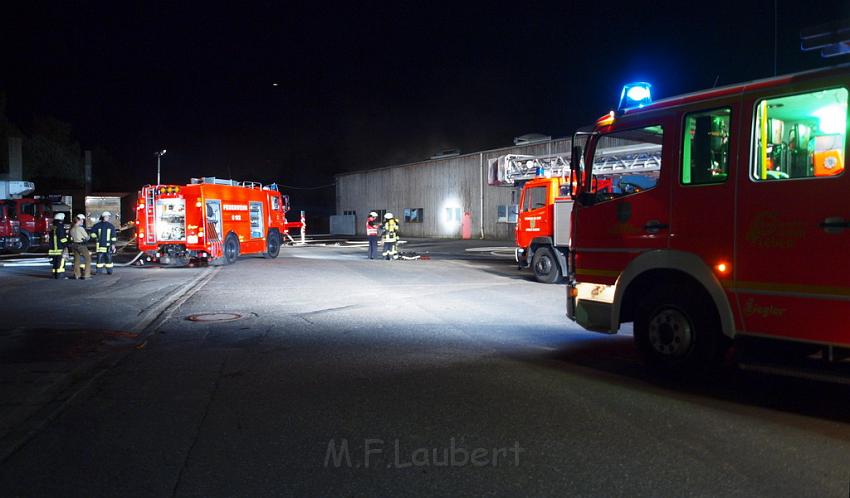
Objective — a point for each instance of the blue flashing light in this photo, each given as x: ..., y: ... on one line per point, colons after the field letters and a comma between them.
x: 635, y: 95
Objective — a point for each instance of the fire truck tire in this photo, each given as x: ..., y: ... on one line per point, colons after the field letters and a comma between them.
x: 545, y: 266
x: 26, y: 241
x: 231, y: 249
x: 272, y: 246
x: 675, y: 331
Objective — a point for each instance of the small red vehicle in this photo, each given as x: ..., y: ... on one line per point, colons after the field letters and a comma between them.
x: 211, y: 220
x: 9, y: 231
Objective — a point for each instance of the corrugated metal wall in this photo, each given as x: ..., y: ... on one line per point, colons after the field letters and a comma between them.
x: 435, y: 186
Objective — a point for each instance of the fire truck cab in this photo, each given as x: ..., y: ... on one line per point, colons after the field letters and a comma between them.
x: 732, y: 226
x: 9, y: 231
x: 211, y: 220
x: 34, y: 217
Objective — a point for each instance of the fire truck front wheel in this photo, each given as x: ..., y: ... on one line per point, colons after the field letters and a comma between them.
x: 675, y: 331
x: 26, y: 241
x: 546, y: 269
x: 231, y: 249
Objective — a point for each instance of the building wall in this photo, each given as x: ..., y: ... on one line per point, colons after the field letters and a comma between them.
x: 435, y: 186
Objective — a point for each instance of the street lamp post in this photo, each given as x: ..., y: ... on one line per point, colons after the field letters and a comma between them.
x: 158, y: 155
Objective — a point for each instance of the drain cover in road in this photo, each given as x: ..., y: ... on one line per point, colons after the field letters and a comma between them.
x: 213, y: 317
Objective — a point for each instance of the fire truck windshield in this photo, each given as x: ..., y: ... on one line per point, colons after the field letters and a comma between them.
x: 625, y: 163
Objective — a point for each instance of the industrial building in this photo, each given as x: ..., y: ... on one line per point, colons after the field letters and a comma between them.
x: 447, y: 196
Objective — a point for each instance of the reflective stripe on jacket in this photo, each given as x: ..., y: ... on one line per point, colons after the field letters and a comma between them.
x: 58, y: 240
x: 371, y: 227
x: 103, y: 232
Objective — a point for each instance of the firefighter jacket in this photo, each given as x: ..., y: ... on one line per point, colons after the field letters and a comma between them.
x: 103, y: 232
x: 372, y: 226
x: 391, y: 230
x: 58, y: 239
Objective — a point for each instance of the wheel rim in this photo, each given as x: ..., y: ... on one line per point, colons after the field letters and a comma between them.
x: 671, y: 333
x: 543, y: 266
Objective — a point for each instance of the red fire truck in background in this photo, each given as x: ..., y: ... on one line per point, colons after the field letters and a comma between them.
x: 35, y: 219
x: 738, y: 235
x: 9, y: 231
x: 211, y: 220
x: 542, y: 227
x: 542, y: 230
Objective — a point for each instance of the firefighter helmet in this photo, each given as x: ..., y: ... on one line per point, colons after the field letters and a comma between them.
x: 81, y: 217
x: 59, y: 216
x: 106, y: 214
x: 388, y: 216
x: 373, y: 214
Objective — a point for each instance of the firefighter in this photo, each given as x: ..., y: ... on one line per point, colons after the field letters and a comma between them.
x: 105, y: 237
x: 390, y: 237
x: 82, y: 256
x: 56, y: 245
x: 372, y: 226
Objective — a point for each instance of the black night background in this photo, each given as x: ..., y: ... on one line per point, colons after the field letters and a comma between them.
x: 295, y: 92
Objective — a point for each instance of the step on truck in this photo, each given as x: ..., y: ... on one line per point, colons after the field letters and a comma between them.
x: 734, y: 231
x: 211, y: 220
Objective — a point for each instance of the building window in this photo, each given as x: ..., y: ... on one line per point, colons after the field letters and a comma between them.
x: 413, y: 215
x: 453, y: 215
x: 800, y: 136
x: 349, y: 212
x: 705, y: 152
x: 506, y: 213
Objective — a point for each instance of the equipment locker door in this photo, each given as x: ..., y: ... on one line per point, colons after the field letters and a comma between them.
x: 793, y: 226
x: 214, y: 217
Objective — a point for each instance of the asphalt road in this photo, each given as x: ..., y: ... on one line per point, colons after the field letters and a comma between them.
x: 324, y: 374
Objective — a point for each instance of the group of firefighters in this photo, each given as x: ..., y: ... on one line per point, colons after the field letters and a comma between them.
x: 390, y: 228
x: 75, y: 241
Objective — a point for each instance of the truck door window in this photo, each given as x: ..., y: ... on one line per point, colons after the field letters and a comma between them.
x: 705, y: 148
x: 256, y: 220
x: 626, y: 162
x: 535, y: 198
x: 800, y: 136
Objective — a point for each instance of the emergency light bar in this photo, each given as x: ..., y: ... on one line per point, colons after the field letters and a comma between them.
x: 635, y: 95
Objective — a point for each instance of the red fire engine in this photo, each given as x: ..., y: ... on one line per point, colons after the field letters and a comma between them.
x: 543, y: 222
x: 211, y: 220
x: 733, y: 228
x: 9, y: 231
x: 34, y: 216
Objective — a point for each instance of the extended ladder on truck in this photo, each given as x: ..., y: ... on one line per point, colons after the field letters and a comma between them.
x: 515, y: 169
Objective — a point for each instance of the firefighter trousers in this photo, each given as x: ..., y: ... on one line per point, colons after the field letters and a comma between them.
x: 390, y: 251
x: 104, y: 260
x: 82, y: 261
x: 58, y: 263
x: 373, y: 246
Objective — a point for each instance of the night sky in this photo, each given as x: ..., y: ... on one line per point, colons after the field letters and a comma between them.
x: 364, y: 84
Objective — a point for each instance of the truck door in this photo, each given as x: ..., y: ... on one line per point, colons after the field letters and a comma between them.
x: 792, y: 271
x: 533, y: 220
x: 703, y: 195
x: 624, y: 208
